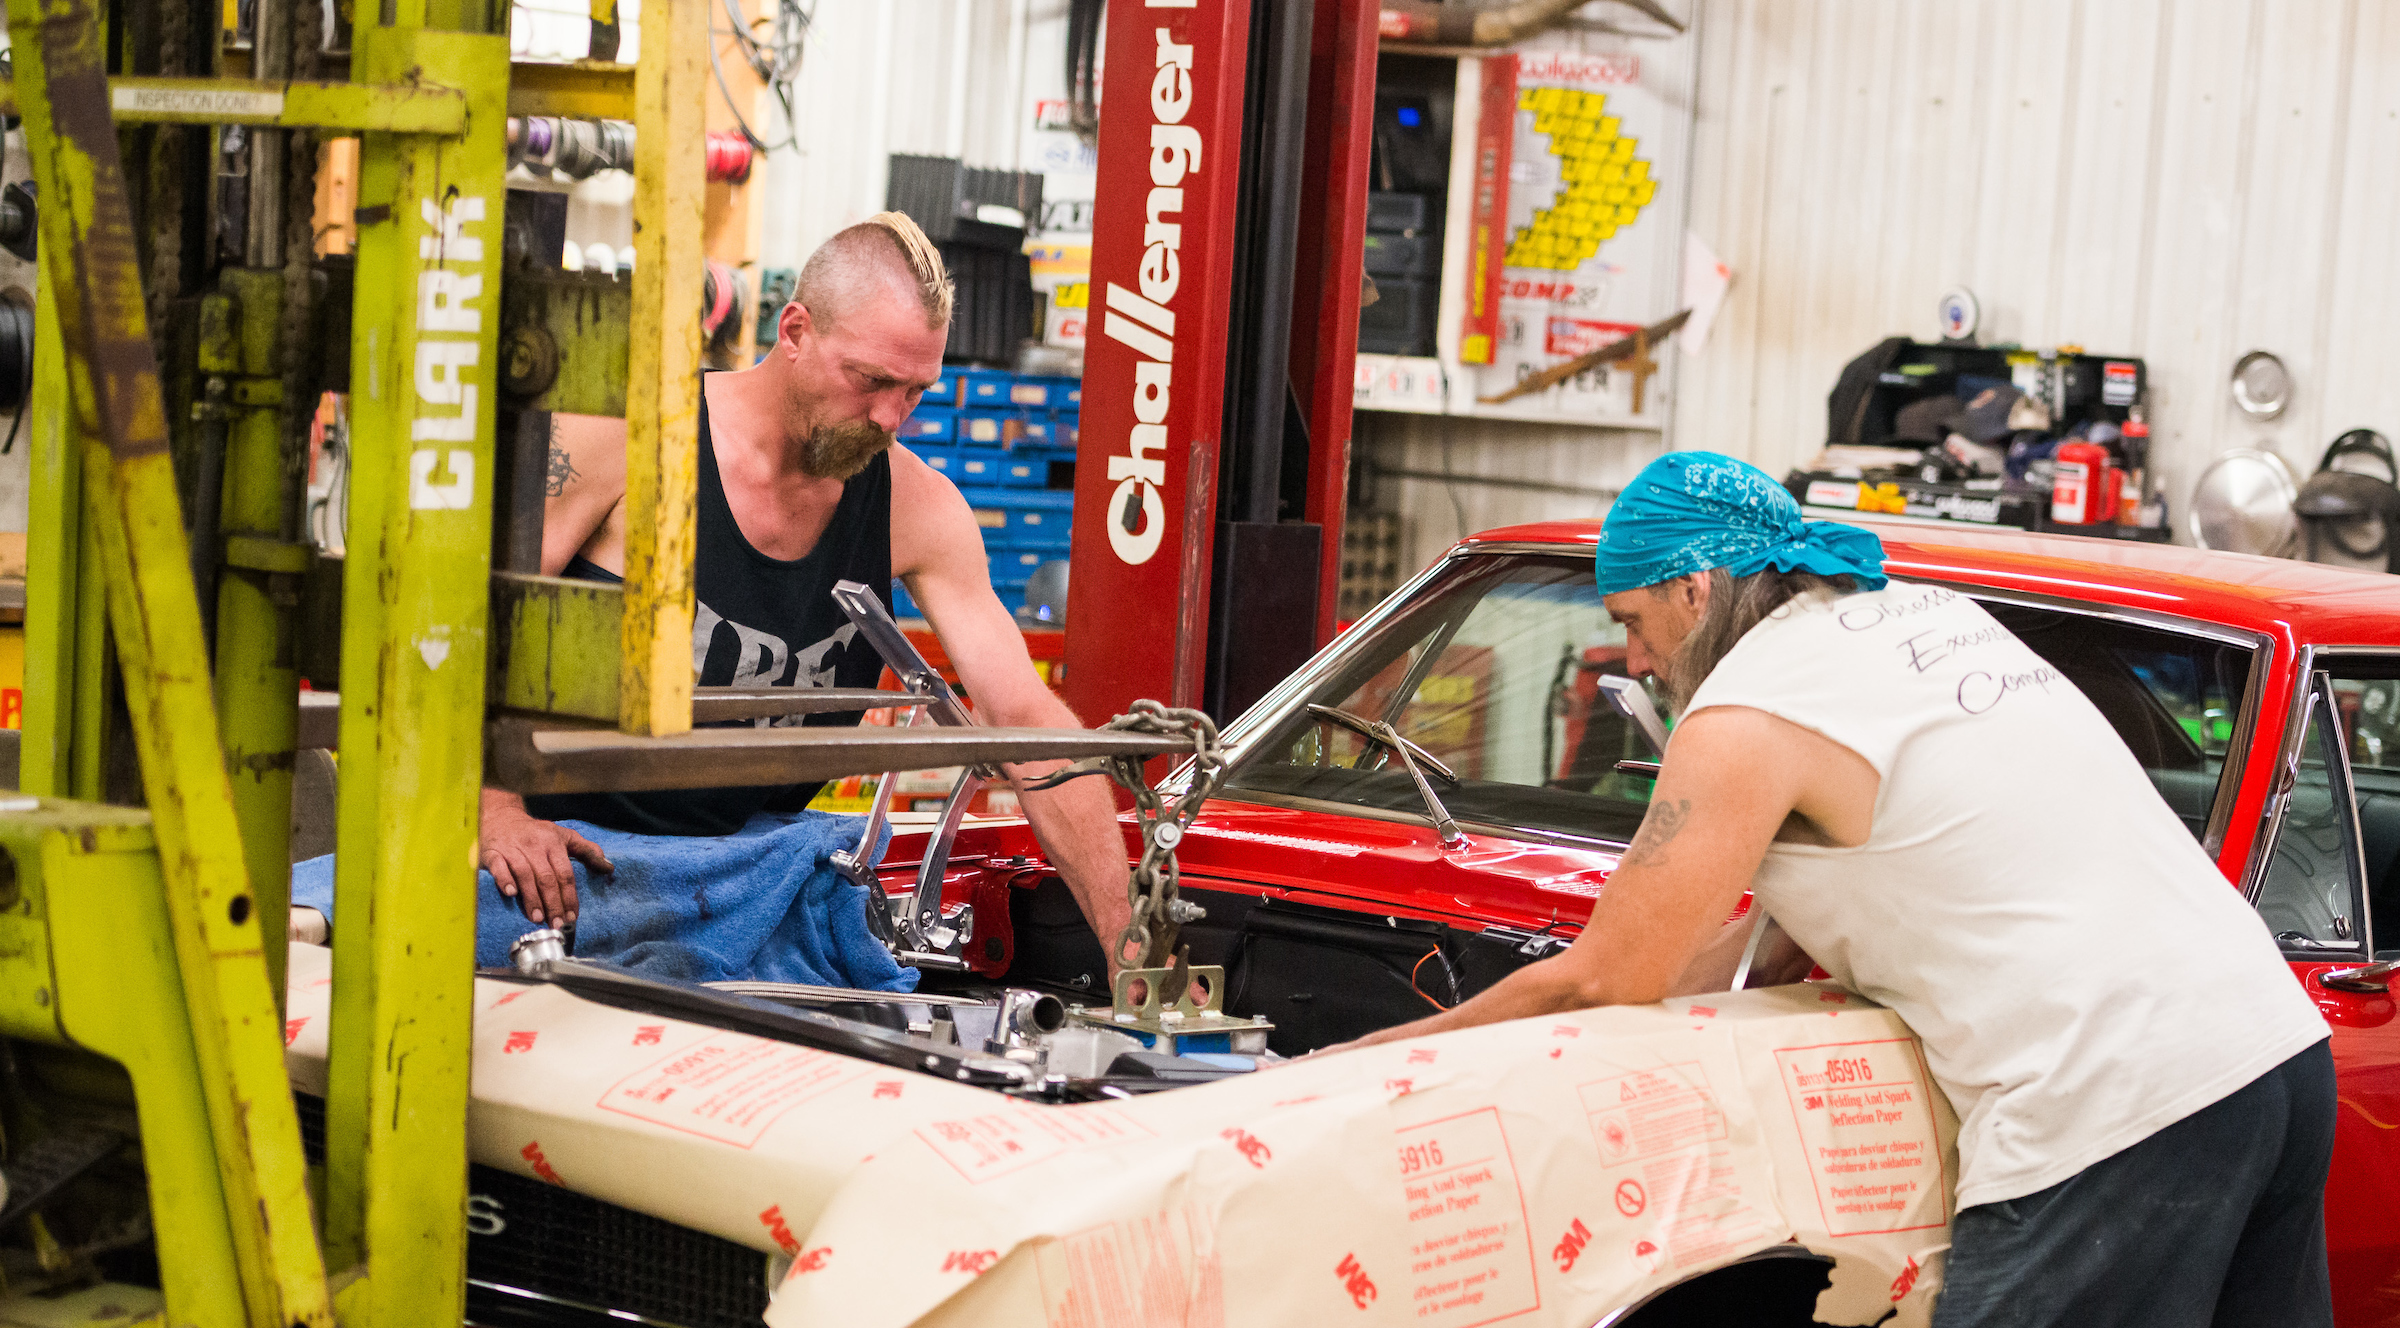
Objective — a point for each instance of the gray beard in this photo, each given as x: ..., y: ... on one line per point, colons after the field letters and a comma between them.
x: 839, y: 451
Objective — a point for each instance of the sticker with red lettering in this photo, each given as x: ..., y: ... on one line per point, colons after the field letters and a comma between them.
x: 1355, y: 1281
x: 649, y: 1034
x: 1253, y: 1151
x: 728, y: 1086
x: 970, y: 1262
x: 1471, y: 1252
x: 1421, y: 1055
x: 779, y: 1230
x: 1867, y: 1127
x: 1906, y: 1281
x: 998, y: 1143
x: 291, y: 1029
x: 532, y: 1153
x: 519, y: 1040
x: 887, y: 1088
x: 1570, y: 1246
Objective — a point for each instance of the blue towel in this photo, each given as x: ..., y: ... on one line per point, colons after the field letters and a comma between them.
x: 761, y: 904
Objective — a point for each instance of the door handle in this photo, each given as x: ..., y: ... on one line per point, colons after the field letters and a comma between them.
x: 2367, y: 980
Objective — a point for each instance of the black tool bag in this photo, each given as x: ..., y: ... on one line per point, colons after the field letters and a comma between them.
x: 1854, y: 391
x: 2335, y: 506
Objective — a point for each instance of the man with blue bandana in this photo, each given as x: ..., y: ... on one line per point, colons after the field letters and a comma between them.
x: 1941, y: 820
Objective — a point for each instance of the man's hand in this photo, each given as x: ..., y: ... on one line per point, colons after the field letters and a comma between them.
x: 532, y: 860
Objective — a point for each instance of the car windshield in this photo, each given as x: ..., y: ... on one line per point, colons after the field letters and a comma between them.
x: 1494, y: 672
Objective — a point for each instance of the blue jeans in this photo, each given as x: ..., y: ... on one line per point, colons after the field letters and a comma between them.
x: 2218, y: 1219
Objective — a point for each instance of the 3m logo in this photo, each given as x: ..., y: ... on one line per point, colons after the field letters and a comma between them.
x: 649, y: 1034
x: 1906, y: 1280
x: 1812, y: 1103
x: 779, y: 1230
x: 1570, y: 1246
x: 813, y: 1261
x: 1403, y: 1087
x: 1355, y: 1281
x: 1704, y: 1012
x: 887, y: 1088
x: 1422, y: 1056
x: 519, y: 1040
x: 970, y: 1262
x: 1253, y: 1151
x: 532, y: 1153
x: 1833, y: 998
x: 292, y: 1027
x: 1565, y: 1030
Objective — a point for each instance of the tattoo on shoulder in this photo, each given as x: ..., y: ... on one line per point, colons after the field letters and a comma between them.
x: 1659, y: 828
x: 562, y: 467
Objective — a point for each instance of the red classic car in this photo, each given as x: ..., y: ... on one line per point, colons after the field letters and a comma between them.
x: 2263, y: 696
x: 1345, y: 891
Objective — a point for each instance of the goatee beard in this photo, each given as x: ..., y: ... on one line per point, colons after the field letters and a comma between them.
x: 839, y: 451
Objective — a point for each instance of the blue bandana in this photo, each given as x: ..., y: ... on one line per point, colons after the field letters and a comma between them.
x: 1690, y: 511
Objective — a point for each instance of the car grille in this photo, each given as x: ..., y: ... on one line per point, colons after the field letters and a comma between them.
x: 542, y: 1257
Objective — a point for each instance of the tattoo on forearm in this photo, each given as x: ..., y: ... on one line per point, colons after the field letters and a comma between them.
x: 562, y: 467
x: 1659, y: 829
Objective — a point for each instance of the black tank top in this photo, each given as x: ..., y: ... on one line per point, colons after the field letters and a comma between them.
x: 759, y: 622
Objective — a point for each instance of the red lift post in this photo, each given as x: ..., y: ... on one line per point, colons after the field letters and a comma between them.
x: 1227, y: 252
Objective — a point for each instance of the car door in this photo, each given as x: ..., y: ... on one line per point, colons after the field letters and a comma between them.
x: 2317, y: 893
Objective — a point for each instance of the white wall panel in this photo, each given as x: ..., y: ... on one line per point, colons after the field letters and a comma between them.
x: 2182, y: 180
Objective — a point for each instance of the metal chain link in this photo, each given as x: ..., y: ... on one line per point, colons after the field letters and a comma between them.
x: 1158, y: 912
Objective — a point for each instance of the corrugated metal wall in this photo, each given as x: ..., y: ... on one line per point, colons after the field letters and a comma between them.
x: 950, y: 78
x: 2183, y: 180
x: 2180, y: 181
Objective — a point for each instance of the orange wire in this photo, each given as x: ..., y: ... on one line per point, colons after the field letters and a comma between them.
x: 1412, y: 978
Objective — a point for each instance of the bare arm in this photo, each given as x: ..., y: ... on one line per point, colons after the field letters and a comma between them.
x: 938, y: 550
x: 1732, y: 779
x: 532, y: 860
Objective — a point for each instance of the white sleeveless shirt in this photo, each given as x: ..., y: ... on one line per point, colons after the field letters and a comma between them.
x: 2080, y: 972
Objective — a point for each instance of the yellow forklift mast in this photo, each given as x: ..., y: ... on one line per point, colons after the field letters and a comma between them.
x: 141, y: 947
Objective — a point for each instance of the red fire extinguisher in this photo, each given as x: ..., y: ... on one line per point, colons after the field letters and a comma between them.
x: 2084, y: 490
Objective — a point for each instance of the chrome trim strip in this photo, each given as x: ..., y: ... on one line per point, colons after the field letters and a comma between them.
x: 2219, y: 632
x: 2287, y: 773
x: 627, y: 1316
x: 1553, y: 838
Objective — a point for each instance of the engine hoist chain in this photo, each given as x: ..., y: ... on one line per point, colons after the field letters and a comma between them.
x: 1158, y: 912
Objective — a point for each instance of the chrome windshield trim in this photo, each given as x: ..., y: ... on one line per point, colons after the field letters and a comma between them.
x: 2287, y: 773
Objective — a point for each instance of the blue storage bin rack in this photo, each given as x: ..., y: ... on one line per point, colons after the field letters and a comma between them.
x: 1022, y: 518
x: 940, y: 457
x: 1044, y: 392
x: 1014, y: 567
x: 948, y: 390
x: 933, y: 424
x: 987, y: 428
x: 1036, y: 427
x: 986, y: 388
x: 977, y: 465
x: 1027, y: 465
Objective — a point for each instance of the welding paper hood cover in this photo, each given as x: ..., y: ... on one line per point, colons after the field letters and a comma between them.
x: 1545, y: 1171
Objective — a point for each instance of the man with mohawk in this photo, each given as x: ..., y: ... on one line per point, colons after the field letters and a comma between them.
x: 801, y: 487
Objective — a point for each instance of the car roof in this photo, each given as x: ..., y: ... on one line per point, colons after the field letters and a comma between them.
x: 2319, y: 605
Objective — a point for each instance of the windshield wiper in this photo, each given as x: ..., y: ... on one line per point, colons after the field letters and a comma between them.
x: 1384, y: 735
